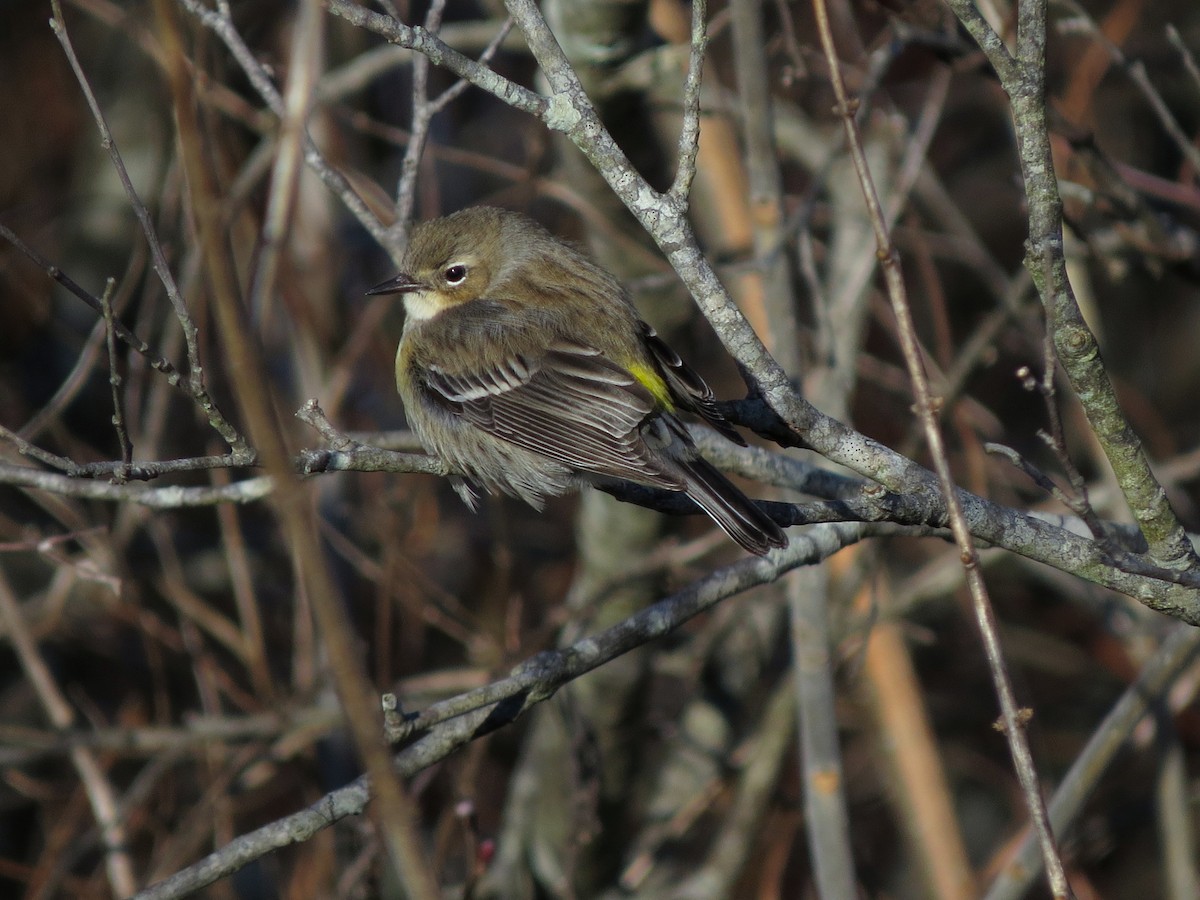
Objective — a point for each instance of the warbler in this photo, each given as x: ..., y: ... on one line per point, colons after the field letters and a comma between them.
x: 525, y: 367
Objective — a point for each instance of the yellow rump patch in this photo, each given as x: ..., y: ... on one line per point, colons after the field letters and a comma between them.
x: 653, y: 382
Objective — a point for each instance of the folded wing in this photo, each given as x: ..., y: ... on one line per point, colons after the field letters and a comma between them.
x: 571, y: 404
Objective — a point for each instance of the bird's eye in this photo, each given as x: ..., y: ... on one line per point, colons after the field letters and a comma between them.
x: 456, y: 274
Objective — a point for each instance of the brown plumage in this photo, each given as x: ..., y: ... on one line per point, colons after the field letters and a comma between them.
x: 525, y: 367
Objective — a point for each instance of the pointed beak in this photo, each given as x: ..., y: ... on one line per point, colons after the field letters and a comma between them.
x: 401, y: 284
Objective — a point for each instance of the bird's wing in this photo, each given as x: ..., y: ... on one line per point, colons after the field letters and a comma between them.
x: 687, y: 387
x: 570, y: 403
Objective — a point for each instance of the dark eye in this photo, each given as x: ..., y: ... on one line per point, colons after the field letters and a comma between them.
x: 456, y: 274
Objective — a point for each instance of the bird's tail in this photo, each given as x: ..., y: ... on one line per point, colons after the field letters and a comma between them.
x: 736, y: 513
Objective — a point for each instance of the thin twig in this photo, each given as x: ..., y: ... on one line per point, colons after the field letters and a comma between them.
x: 781, y: 412
x: 465, y: 37
x: 421, y: 41
x: 221, y: 23
x: 766, y: 186
x: 1177, y: 651
x: 1078, y: 502
x: 114, y: 382
x: 423, y: 112
x: 1075, y: 345
x: 45, y: 457
x: 422, y: 116
x: 191, y: 336
x: 455, y: 722
x: 689, y: 133
x: 1185, y: 54
x: 295, y: 515
x: 1136, y: 70
x: 985, y: 616
x: 304, y: 66
x: 1176, y: 835
x: 99, y: 790
x: 189, y: 387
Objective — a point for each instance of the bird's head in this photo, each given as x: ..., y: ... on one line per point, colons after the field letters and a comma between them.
x: 453, y: 260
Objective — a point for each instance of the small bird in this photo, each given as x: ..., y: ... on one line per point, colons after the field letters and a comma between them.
x: 524, y: 366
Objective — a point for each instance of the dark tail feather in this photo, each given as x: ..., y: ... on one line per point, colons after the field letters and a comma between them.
x: 736, y: 513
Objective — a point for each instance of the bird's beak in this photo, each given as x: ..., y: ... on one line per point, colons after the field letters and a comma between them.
x: 401, y: 284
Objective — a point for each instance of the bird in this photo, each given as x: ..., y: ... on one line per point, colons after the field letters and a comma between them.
x: 525, y: 367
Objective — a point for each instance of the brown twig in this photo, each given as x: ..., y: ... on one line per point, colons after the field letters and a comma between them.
x: 1023, y: 79
x: 101, y: 796
x: 220, y: 21
x: 190, y: 387
x: 452, y: 723
x: 920, y: 787
x: 1173, y: 657
x: 293, y: 512
x: 424, y: 110
x: 925, y: 407
x: 161, y: 267
x: 114, y: 382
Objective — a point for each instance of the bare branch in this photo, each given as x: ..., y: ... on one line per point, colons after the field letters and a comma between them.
x: 689, y: 134
x: 1076, y: 346
x: 985, y: 615
x: 161, y: 267
x: 460, y: 720
x: 99, y: 789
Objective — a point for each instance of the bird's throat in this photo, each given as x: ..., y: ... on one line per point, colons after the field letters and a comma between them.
x: 421, y: 306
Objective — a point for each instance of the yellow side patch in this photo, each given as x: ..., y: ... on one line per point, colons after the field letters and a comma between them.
x: 652, y: 382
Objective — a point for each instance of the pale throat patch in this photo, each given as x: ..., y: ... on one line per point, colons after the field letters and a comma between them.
x: 421, y: 305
